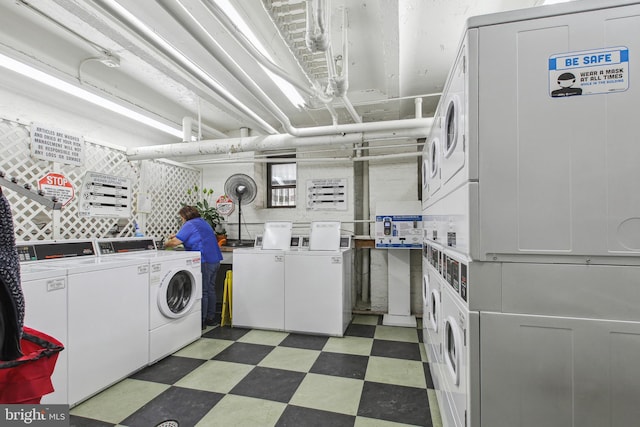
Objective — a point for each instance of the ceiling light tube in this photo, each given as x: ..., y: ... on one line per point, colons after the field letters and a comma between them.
x: 57, y: 83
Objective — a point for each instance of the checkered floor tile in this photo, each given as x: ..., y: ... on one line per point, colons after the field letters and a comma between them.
x: 375, y: 375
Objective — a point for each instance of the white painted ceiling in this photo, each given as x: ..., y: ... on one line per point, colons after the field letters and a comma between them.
x: 397, y: 50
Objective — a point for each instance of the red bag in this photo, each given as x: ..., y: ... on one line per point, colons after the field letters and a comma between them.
x: 27, y: 379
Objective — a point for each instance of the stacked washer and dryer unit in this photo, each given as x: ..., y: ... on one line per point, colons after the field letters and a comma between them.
x: 531, y: 282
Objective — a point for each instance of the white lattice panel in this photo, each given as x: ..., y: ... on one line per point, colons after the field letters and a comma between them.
x: 167, y: 185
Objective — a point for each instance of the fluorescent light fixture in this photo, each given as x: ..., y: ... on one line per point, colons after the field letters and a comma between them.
x: 56, y: 83
x: 287, y: 88
x: 555, y: 1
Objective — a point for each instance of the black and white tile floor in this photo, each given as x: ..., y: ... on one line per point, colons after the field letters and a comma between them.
x: 375, y: 375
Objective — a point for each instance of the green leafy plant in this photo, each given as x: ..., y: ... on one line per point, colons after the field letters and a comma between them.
x: 206, y: 208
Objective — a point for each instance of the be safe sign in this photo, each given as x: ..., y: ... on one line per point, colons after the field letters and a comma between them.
x: 589, y: 72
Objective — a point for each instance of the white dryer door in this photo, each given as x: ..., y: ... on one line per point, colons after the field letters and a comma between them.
x: 177, y: 293
x: 452, y: 348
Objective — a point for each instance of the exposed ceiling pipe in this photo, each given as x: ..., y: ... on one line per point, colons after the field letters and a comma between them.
x: 270, y: 142
x: 122, y: 15
x: 341, y: 81
x: 357, y: 148
x: 239, y: 37
x: 418, y: 105
x: 186, y: 128
x: 316, y: 34
x: 308, y: 159
x: 313, y: 91
x: 191, y: 24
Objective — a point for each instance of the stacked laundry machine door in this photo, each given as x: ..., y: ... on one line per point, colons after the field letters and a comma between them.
x: 535, y: 221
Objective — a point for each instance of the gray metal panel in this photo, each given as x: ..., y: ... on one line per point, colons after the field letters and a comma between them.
x: 558, y: 371
x: 556, y: 175
x: 542, y: 12
x: 591, y: 291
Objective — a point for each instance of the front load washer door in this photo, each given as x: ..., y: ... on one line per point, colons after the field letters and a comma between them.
x: 452, y: 347
x: 434, y: 309
x: 177, y: 294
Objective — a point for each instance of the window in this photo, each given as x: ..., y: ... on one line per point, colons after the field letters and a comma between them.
x: 281, y: 179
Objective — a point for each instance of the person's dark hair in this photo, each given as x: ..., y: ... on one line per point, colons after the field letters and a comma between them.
x: 188, y: 212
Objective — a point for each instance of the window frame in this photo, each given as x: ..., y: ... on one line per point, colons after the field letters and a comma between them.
x: 270, y: 187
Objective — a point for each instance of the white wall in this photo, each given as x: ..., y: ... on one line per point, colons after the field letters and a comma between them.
x: 393, y: 180
x: 256, y: 213
x: 389, y: 180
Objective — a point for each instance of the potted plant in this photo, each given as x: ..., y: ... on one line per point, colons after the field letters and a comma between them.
x: 207, y: 210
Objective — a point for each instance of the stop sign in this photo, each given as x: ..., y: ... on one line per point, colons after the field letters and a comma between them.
x: 58, y: 186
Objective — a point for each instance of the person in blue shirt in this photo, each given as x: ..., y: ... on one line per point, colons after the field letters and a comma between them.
x: 197, y: 235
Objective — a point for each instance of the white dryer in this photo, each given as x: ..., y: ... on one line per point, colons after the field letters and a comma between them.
x: 431, y: 162
x: 174, y: 301
x: 453, y: 131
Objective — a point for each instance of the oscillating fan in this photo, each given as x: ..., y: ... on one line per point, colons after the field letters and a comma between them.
x: 242, y: 190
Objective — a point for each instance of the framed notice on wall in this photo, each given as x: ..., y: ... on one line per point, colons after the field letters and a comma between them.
x: 327, y: 194
x: 105, y: 195
x: 56, y: 145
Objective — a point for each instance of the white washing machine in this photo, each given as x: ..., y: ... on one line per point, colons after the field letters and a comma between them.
x: 174, y: 292
x: 318, y: 283
x: 431, y: 297
x: 458, y: 290
x: 174, y: 301
x: 454, y: 369
x: 107, y: 312
x: 45, y: 293
x: 44, y: 284
x: 259, y: 299
x: 424, y: 293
